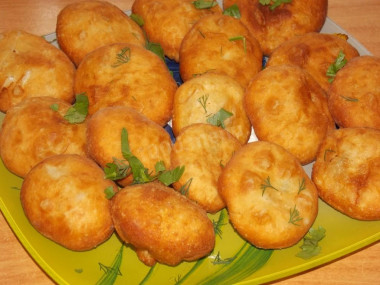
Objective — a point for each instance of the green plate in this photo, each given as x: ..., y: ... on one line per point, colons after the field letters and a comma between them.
x: 232, y: 261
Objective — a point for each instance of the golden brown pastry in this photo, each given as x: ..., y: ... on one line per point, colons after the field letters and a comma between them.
x: 87, y: 25
x: 63, y: 198
x: 222, y: 44
x: 203, y: 150
x: 128, y: 75
x: 167, y: 21
x: 32, y: 131
x: 32, y: 67
x: 314, y: 52
x: 354, y: 95
x: 161, y: 224
x: 272, y: 27
x: 347, y: 172
x: 202, y: 97
x: 288, y: 107
x: 148, y: 141
x: 271, y: 201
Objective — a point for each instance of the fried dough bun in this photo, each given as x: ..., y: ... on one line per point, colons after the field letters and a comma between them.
x: 204, y: 150
x: 347, y: 172
x: 85, y: 26
x: 32, y: 67
x: 148, y: 141
x: 201, y: 97
x: 167, y: 21
x: 272, y: 27
x: 354, y: 95
x: 63, y: 198
x: 288, y: 107
x: 314, y: 52
x: 161, y: 224
x: 33, y: 131
x: 271, y: 201
x: 221, y: 44
x: 128, y: 75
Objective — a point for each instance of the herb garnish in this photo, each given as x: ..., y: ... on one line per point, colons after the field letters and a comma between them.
x: 110, y: 192
x: 155, y: 48
x: 301, y: 185
x: 219, y: 118
x: 138, y: 19
x: 54, y: 107
x: 350, y: 99
x: 294, y: 216
x: 203, y: 101
x: 204, y: 4
x: 219, y: 260
x: 240, y: 38
x: 310, y: 246
x: 232, y: 11
x: 275, y: 3
x: 122, y: 57
x: 266, y: 185
x: 184, y: 190
x: 336, y: 66
x: 325, y: 153
x: 78, y: 112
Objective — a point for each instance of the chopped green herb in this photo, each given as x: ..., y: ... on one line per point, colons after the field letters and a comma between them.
x: 203, y: 101
x: 301, y: 185
x: 122, y: 57
x: 233, y: 11
x: 110, y: 192
x: 240, y: 38
x: 78, y: 112
x: 275, y: 3
x: 204, y: 4
x: 219, y: 118
x: 170, y: 176
x: 266, y: 185
x: 54, y: 107
x: 350, y: 99
x: 310, y: 247
x: 219, y: 260
x: 294, y: 216
x: 336, y: 66
x: 116, y: 170
x: 138, y: 19
x: 155, y: 48
x: 160, y: 166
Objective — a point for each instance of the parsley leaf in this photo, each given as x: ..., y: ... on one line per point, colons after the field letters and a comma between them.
x: 204, y: 4
x: 155, y: 48
x: 275, y: 3
x: 336, y: 66
x: 310, y: 246
x: 78, y: 112
x: 138, y: 19
x: 170, y: 176
x: 110, y: 192
x: 219, y: 118
x: 233, y: 11
x: 54, y: 107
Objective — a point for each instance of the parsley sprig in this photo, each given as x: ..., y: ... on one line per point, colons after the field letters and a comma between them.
x: 273, y: 3
x: 78, y: 112
x: 336, y: 66
x: 218, y: 118
x: 310, y: 247
x: 233, y: 11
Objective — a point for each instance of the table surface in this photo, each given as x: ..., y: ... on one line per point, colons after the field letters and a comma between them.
x: 360, y: 18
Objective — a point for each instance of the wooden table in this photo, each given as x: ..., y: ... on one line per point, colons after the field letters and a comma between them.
x: 360, y: 18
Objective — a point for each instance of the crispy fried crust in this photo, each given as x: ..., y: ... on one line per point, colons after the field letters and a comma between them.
x: 347, y: 172
x: 63, y: 198
x: 204, y: 150
x: 167, y: 21
x: 199, y: 98
x: 288, y: 107
x: 128, y: 75
x: 85, y: 26
x: 161, y: 224
x: 222, y: 44
x: 33, y: 131
x: 31, y: 67
x: 148, y: 141
x: 271, y: 201
x: 273, y: 27
x: 314, y: 52
x: 354, y: 95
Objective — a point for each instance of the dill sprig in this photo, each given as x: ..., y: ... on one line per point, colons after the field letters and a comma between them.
x: 122, y: 57
x: 203, y: 101
x: 294, y: 216
x: 267, y: 184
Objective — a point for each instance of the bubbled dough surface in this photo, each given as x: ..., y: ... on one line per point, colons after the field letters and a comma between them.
x: 32, y: 131
x: 167, y: 21
x: 63, y: 198
x: 143, y: 83
x: 314, y: 52
x: 204, y: 150
x: 85, y: 26
x: 358, y: 80
x: 214, y: 91
x: 174, y: 228
x: 32, y: 67
x: 286, y: 106
x: 263, y: 219
x: 347, y: 172
x: 207, y: 47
